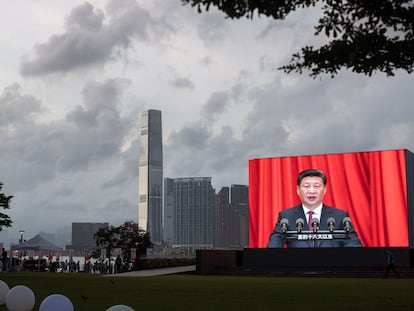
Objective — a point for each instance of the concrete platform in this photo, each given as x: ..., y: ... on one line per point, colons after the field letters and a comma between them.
x: 154, y: 272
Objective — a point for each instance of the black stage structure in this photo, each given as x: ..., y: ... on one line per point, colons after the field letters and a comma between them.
x: 341, y: 262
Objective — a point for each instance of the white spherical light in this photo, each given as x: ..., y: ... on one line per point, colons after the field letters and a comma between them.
x: 120, y: 308
x: 20, y: 298
x: 56, y: 302
x: 4, y: 289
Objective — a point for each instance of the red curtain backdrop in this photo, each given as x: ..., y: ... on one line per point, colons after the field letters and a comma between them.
x: 370, y: 186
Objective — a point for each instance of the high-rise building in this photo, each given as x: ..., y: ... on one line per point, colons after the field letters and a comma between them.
x: 239, y: 202
x: 222, y: 216
x: 82, y: 235
x: 189, y: 212
x: 169, y: 211
x: 151, y: 176
x: 231, y: 218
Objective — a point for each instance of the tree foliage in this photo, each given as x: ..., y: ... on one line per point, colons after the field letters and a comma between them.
x: 364, y: 36
x: 126, y: 237
x: 5, y: 220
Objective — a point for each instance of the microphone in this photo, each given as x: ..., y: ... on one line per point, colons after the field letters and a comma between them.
x: 331, y: 224
x: 347, y: 224
x: 299, y: 224
x: 284, y: 223
x: 315, y: 224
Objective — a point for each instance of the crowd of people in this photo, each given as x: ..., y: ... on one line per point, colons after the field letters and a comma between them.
x: 100, y: 266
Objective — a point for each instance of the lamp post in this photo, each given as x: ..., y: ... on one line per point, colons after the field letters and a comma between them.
x: 21, y: 236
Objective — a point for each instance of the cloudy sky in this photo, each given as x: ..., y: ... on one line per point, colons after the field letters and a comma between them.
x: 75, y: 77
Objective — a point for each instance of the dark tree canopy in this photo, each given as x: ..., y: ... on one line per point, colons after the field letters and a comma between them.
x: 126, y: 237
x: 131, y: 236
x: 5, y: 200
x: 364, y: 36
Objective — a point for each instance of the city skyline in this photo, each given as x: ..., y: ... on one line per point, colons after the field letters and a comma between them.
x: 77, y: 75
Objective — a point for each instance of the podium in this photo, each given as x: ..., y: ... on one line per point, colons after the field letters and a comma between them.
x: 317, y: 235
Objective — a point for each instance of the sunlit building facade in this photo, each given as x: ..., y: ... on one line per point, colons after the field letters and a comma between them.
x: 150, y: 184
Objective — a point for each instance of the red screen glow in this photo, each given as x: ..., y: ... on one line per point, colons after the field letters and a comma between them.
x: 370, y: 186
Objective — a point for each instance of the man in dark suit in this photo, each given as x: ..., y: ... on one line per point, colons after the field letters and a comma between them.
x: 311, y: 189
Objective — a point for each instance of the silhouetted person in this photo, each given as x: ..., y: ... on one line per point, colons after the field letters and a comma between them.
x: 118, y: 264
x: 391, y: 264
x: 4, y: 260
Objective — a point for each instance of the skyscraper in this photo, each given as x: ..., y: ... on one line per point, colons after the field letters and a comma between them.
x: 239, y: 202
x: 151, y: 175
x: 222, y: 217
x: 231, y: 217
x: 189, y: 212
x: 82, y: 235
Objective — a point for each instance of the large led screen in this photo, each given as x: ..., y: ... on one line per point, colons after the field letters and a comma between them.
x: 370, y: 186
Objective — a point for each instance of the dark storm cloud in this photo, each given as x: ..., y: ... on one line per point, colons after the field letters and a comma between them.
x: 88, y: 40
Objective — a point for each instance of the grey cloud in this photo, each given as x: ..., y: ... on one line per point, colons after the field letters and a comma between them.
x: 129, y: 19
x: 92, y: 132
x: 95, y: 129
x: 63, y: 208
x: 88, y: 41
x: 85, y: 18
x: 221, y: 101
x: 17, y: 122
x: 16, y: 107
x: 129, y: 171
x: 195, y: 135
x: 64, y: 189
x: 206, y: 61
x: 215, y: 105
x: 213, y: 28
x: 116, y: 204
x: 327, y: 116
x: 225, y: 151
x: 183, y: 83
x: 221, y: 156
x: 291, y: 121
x: 300, y: 117
x: 20, y: 174
x: 183, y: 150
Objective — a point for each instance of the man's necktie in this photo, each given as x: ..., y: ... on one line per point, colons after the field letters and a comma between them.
x: 310, y: 226
x: 310, y: 220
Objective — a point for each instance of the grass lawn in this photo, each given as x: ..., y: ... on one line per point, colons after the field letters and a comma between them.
x: 89, y: 292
